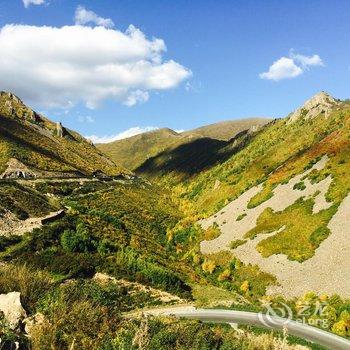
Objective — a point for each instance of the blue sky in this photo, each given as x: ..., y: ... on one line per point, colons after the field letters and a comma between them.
x: 218, y: 52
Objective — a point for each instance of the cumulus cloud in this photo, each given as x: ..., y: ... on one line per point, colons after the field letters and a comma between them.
x: 26, y: 3
x: 283, y: 68
x: 55, y: 67
x: 122, y: 135
x: 291, y: 67
x: 84, y: 16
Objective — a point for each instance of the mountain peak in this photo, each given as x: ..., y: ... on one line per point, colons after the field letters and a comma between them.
x: 322, y: 102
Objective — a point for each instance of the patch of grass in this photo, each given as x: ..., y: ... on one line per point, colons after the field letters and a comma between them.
x: 206, y: 295
x: 236, y: 243
x: 301, y: 230
x: 212, y: 232
x: 241, y: 216
x: 30, y: 282
x: 299, y: 186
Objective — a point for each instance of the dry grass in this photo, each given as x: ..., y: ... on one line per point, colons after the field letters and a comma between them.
x: 29, y: 282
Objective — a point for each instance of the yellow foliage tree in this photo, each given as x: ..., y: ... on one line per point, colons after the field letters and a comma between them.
x: 225, y: 275
x: 208, y: 266
x: 245, y: 286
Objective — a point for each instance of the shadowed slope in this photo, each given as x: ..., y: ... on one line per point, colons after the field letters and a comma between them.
x: 191, y: 158
x: 134, y: 151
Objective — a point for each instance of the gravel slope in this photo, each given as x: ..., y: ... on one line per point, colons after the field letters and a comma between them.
x: 327, y: 271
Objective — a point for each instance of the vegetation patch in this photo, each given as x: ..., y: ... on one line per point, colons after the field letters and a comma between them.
x: 236, y: 243
x: 300, y: 233
x: 241, y: 216
x: 299, y: 186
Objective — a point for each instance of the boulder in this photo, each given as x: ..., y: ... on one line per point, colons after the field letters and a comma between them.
x: 59, y: 129
x: 11, y: 307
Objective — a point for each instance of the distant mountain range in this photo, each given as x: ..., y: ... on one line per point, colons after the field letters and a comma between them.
x: 135, y: 151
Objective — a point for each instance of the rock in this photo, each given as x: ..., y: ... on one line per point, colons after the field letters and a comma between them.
x: 10, y: 305
x: 103, y: 278
x: 33, y: 321
x: 16, y: 169
x: 59, y: 129
x: 320, y: 103
x: 32, y: 116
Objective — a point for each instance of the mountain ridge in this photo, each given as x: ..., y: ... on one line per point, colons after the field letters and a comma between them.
x: 132, y: 152
x: 45, y: 147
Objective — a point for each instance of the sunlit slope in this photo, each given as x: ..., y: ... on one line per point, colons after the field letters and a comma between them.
x: 42, y: 148
x: 279, y: 151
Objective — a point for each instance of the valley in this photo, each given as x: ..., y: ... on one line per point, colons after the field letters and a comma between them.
x: 247, y: 219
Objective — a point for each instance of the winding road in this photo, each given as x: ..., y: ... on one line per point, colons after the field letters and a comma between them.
x: 313, y: 334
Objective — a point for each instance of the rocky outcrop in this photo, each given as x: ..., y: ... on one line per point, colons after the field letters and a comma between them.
x: 59, y: 129
x: 17, y: 170
x: 10, y: 225
x: 11, y: 307
x: 320, y: 103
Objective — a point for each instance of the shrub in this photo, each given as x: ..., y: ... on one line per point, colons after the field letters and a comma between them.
x: 208, y: 266
x: 240, y: 217
x: 24, y: 279
x: 77, y: 241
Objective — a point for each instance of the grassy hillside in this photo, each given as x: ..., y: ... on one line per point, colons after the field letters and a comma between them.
x: 184, y: 161
x: 276, y: 153
x: 33, y: 140
x: 134, y: 151
x: 228, y: 129
x: 131, y: 232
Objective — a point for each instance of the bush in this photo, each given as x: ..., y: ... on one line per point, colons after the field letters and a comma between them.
x: 24, y: 279
x: 78, y: 241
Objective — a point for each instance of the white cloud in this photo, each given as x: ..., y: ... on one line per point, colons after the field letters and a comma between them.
x: 86, y: 119
x: 291, y: 67
x: 307, y: 61
x: 61, y: 67
x: 137, y: 96
x: 84, y: 16
x: 26, y: 3
x: 123, y: 135
x: 283, y: 68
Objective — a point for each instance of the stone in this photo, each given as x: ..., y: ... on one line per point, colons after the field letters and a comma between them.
x: 59, y: 129
x: 16, y: 169
x: 11, y: 307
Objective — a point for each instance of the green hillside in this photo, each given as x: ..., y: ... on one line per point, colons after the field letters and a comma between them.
x: 134, y: 151
x: 183, y: 161
x: 275, y: 153
x: 35, y: 142
x: 228, y: 129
